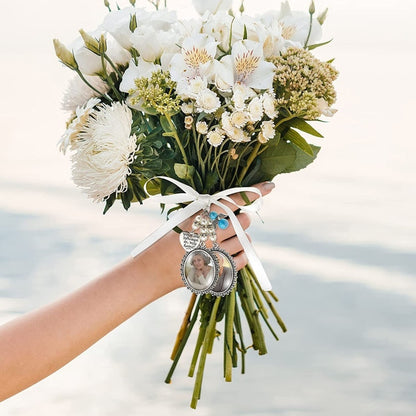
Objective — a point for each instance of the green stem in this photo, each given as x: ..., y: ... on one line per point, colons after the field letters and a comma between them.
x: 175, y: 135
x: 201, y: 336
x: 309, y: 32
x: 183, y: 343
x: 249, y: 162
x: 239, y: 330
x: 229, y: 335
x: 81, y: 75
x: 109, y: 80
x: 120, y: 75
x: 211, y: 327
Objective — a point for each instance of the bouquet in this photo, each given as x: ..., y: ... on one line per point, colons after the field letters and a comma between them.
x: 194, y: 110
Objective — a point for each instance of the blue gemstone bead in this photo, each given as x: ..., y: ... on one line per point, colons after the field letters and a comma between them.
x: 223, y: 223
x: 213, y: 215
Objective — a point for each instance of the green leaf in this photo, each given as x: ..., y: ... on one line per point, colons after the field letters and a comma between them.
x: 149, y: 110
x: 317, y: 45
x: 211, y: 179
x: 109, y: 202
x: 302, y: 159
x: 245, y: 33
x: 276, y: 158
x: 184, y: 171
x: 165, y: 124
x: 295, y: 138
x: 198, y: 181
x: 126, y: 198
x: 300, y: 124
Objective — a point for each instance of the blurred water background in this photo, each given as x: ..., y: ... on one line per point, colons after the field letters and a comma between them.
x: 338, y: 239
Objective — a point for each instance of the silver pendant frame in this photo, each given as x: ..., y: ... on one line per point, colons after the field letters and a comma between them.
x: 220, y: 289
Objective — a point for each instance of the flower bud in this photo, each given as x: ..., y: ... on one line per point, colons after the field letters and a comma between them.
x: 241, y: 9
x: 102, y: 44
x: 321, y: 18
x: 66, y: 57
x: 312, y: 8
x: 107, y: 4
x: 133, y: 23
x: 133, y: 2
x: 91, y: 43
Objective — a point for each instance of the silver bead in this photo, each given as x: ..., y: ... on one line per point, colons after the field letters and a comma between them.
x: 203, y: 238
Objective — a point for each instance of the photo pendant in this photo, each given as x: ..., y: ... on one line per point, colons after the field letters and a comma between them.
x: 200, y: 270
x: 227, y: 272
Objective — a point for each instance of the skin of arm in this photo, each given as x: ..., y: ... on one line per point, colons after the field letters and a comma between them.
x: 40, y: 342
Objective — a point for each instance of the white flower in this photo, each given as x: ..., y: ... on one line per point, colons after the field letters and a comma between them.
x: 187, y: 108
x: 295, y: 27
x: 89, y: 63
x: 152, y: 43
x: 207, y: 101
x: 324, y: 109
x: 255, y: 109
x: 239, y: 118
x: 78, y: 92
x: 105, y: 151
x: 269, y: 105
x: 261, y: 138
x: 143, y: 69
x: 71, y: 136
x: 117, y: 22
x: 202, y: 127
x: 213, y: 6
x: 195, y: 59
x: 215, y: 137
x: 246, y: 66
x: 267, y: 129
x: 241, y: 94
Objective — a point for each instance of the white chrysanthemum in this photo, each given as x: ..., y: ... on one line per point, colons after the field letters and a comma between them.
x: 71, y: 136
x: 202, y: 127
x: 78, y: 92
x: 267, y: 129
x: 215, y: 137
x: 105, y: 151
x: 255, y: 109
x: 269, y: 105
x: 239, y: 118
x: 207, y: 101
x: 187, y: 108
x: 261, y: 138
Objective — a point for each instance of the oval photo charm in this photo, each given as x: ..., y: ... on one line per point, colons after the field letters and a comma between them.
x: 199, y: 270
x: 227, y: 273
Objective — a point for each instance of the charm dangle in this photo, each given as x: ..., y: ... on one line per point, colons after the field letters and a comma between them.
x: 207, y: 270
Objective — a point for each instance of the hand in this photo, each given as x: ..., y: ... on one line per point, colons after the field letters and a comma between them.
x: 169, y: 251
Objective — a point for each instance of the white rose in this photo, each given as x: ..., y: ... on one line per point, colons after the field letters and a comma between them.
x: 213, y: 6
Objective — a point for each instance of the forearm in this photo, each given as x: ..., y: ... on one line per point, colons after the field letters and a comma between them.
x: 39, y: 343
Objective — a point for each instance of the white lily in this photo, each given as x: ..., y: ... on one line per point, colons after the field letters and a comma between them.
x: 246, y: 66
x: 195, y: 59
x: 133, y: 72
x: 295, y: 27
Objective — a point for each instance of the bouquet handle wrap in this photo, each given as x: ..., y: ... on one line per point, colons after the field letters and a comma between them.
x: 198, y: 202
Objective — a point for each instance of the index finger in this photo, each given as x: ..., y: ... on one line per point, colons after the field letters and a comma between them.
x: 240, y: 198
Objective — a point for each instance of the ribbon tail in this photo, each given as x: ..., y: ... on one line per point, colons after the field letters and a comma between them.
x: 252, y: 256
x: 176, y: 219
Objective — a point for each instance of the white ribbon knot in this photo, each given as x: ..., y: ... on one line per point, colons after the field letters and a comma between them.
x: 199, y: 202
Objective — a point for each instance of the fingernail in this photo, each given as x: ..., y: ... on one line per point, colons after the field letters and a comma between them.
x: 268, y: 186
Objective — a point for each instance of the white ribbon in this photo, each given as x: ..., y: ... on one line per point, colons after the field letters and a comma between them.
x: 204, y: 201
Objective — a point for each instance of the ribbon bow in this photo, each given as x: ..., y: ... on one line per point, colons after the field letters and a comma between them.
x: 199, y: 202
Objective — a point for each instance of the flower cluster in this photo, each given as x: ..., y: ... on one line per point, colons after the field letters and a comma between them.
x: 304, y: 84
x: 221, y: 87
